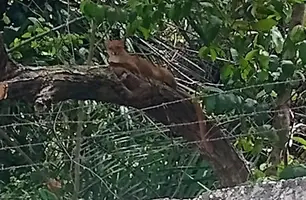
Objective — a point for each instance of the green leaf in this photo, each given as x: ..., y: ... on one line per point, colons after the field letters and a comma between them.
x: 147, y: 10
x: 250, y: 55
x: 302, y: 51
x: 263, y: 59
x: 39, y: 30
x: 48, y: 7
x: 211, y: 28
x: 227, y: 71
x: 261, y: 94
x: 132, y: 27
x: 234, y: 54
x: 87, y: 7
x: 17, y: 55
x: 203, y: 52
x: 213, y: 89
x: 186, y: 8
x: 273, y: 63
x: 277, y: 39
x: 112, y: 15
x: 134, y: 3
x: 221, y: 104
x: 6, y: 19
x: 97, y: 12
x: 206, y: 4
x: 31, y: 28
x: 146, y: 23
x: 258, y: 174
x: 226, y: 102
x: 145, y: 32
x: 43, y: 194
x: 34, y: 20
x: 245, y: 69
x: 34, y: 44
x: 263, y: 76
x: 157, y: 15
x: 233, y: 100
x: 240, y: 25
x: 26, y: 35
x: 210, y: 103
x: 215, y: 21
x: 287, y: 68
x: 297, y: 34
x: 299, y: 74
x: 175, y: 11
x: 289, y: 51
x: 287, y: 11
x: 250, y: 103
x: 65, y: 48
x: 213, y: 54
x: 245, y: 73
x: 293, y: 172
x: 41, y: 19
x: 300, y: 140
x: 264, y: 24
x: 121, y: 15
x: 246, y: 144
x: 46, y: 194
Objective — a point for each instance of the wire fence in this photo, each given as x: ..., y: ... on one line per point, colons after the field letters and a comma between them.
x: 87, y: 141
x: 131, y: 147
x: 147, y: 129
x: 92, y: 152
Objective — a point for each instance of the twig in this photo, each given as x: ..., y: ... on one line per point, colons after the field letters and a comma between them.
x: 81, y: 116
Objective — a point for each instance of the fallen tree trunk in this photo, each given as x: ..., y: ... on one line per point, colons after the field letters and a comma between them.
x: 46, y: 85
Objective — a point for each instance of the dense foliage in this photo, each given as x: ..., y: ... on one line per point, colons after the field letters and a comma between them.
x: 259, y: 58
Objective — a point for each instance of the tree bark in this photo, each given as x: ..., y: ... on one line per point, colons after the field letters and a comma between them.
x: 298, y: 14
x: 46, y: 85
x: 281, y: 120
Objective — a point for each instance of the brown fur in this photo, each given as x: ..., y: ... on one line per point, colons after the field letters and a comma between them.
x: 118, y: 56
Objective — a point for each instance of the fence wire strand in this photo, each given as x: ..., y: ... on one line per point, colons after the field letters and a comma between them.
x: 147, y: 130
x: 93, y: 153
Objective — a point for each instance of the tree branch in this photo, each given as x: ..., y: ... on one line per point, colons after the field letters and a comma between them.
x: 281, y: 121
x: 45, y: 85
x: 298, y: 14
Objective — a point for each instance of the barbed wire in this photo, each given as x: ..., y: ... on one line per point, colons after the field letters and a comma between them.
x: 152, y: 107
x: 147, y: 108
x: 186, y: 143
x: 187, y: 98
x: 152, y: 129
x: 172, y: 125
x: 148, y: 130
x: 132, y: 131
x: 134, y: 148
x: 42, y: 113
x: 64, y: 161
x: 52, y: 162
